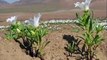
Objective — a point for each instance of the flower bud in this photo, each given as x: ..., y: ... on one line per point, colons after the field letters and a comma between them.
x: 18, y: 30
x: 33, y: 33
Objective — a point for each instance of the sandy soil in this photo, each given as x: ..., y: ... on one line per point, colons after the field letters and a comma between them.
x: 10, y: 50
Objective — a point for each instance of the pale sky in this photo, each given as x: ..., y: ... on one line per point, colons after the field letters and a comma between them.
x: 11, y: 1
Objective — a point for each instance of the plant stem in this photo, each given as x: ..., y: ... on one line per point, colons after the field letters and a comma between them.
x: 89, y: 55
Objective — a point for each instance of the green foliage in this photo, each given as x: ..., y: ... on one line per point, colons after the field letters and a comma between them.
x: 30, y: 35
x: 91, y: 33
x: 73, y: 47
x: 15, y: 31
x: 91, y: 36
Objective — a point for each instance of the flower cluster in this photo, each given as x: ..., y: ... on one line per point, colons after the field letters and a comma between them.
x: 34, y: 22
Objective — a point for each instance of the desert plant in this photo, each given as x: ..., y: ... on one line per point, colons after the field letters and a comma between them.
x: 91, y: 33
x: 35, y: 36
x: 31, y: 36
x: 15, y: 31
x: 73, y: 47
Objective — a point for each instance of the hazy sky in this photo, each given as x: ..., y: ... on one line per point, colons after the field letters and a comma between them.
x: 11, y: 1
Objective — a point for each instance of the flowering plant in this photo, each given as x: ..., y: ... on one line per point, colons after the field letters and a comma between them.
x: 91, y: 32
x: 31, y: 35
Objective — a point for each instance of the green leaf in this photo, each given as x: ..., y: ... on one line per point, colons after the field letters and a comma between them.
x: 97, y: 39
x: 87, y: 20
x: 45, y: 43
x: 90, y: 25
x: 88, y: 39
x: 99, y: 28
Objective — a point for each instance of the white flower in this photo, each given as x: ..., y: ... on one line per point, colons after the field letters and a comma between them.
x: 34, y: 21
x: 12, y: 19
x: 83, y: 5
